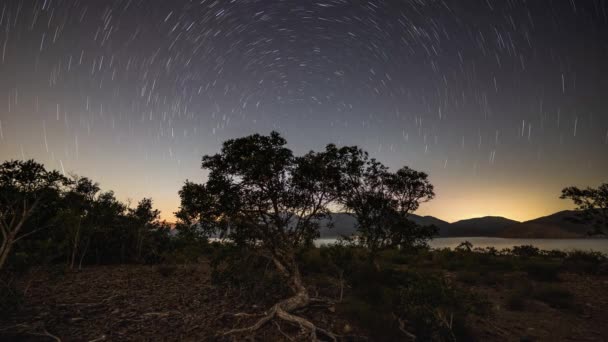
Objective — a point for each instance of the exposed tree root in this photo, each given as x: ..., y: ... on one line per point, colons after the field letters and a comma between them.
x: 281, y: 310
x: 281, y: 331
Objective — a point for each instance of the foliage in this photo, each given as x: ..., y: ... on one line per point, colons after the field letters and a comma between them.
x: 382, y: 202
x: 251, y: 275
x: 525, y: 251
x: 584, y: 262
x: 592, y: 206
x: 264, y: 199
x: 393, y: 304
x: 28, y: 194
x: 48, y: 218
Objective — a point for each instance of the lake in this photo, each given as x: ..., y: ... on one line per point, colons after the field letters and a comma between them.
x: 599, y: 245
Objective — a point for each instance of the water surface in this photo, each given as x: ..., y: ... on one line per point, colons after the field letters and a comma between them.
x: 599, y: 245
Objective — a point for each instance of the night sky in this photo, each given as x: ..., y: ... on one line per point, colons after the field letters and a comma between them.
x: 503, y: 102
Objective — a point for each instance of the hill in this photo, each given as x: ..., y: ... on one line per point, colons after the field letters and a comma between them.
x: 345, y: 224
x: 483, y: 226
x: 554, y: 226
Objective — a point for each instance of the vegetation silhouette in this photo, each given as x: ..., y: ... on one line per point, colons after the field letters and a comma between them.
x: 591, y: 205
x: 47, y: 217
x: 265, y: 200
x: 255, y: 219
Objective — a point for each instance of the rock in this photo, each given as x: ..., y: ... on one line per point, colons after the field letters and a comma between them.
x: 331, y: 309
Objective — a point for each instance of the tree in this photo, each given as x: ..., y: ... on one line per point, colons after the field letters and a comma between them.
x: 592, y: 206
x: 262, y: 198
x: 108, y: 239
x: 382, y: 202
x: 27, y: 192
x: 76, y: 215
x: 145, y: 220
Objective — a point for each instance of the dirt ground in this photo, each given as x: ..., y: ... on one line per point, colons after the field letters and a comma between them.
x: 138, y: 303
x: 587, y: 320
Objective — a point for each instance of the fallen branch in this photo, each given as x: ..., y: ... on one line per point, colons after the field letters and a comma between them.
x: 46, y: 333
x: 402, y: 328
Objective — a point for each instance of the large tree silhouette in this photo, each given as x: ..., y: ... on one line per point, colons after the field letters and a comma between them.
x: 263, y: 198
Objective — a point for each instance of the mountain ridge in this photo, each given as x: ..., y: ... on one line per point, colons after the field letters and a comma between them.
x: 554, y: 226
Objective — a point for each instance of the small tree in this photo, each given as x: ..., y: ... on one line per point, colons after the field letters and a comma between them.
x: 27, y: 190
x: 146, y: 221
x: 109, y: 239
x: 382, y: 202
x: 592, y: 206
x: 76, y: 215
x: 264, y: 199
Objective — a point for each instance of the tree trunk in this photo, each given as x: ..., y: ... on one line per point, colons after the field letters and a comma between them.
x: 84, y: 252
x: 7, y: 245
x: 75, y: 246
x: 283, y: 309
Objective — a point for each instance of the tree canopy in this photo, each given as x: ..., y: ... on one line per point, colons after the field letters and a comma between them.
x: 592, y: 206
x: 261, y: 197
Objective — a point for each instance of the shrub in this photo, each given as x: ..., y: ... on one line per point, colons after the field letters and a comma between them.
x: 555, y: 253
x: 254, y: 276
x: 379, y: 324
x: 395, y: 256
x: 435, y: 310
x: 311, y: 261
x: 584, y: 262
x: 525, y: 251
x: 424, y: 303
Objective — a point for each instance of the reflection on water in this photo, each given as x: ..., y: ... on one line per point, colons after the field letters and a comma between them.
x: 600, y: 245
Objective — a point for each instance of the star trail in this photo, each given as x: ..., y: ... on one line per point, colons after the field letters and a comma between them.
x: 503, y: 103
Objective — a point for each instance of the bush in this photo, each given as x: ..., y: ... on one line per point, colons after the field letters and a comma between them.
x: 525, y: 251
x: 381, y: 326
x: 435, y: 310
x: 311, y: 261
x: 426, y: 304
x: 395, y: 256
x: 243, y: 269
x: 584, y: 262
x: 555, y: 253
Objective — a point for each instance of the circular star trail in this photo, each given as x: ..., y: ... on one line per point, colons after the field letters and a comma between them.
x: 502, y: 102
